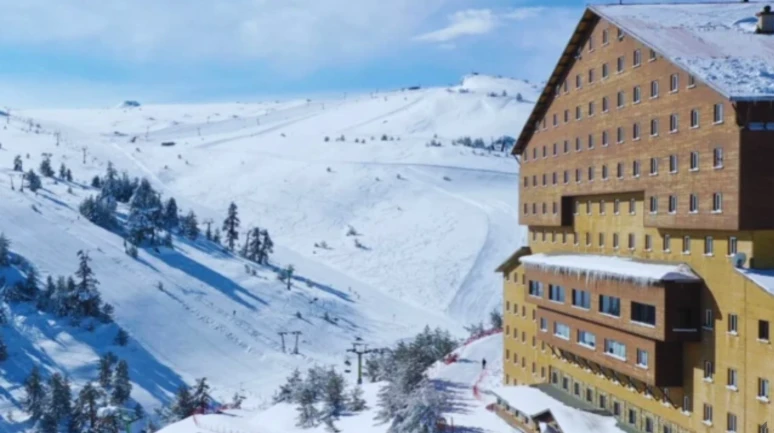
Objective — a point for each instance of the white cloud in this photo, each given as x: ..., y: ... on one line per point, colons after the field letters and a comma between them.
x: 463, y: 23
x: 300, y: 33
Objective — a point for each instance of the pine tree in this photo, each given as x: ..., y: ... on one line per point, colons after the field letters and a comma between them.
x: 63, y: 172
x: 216, y: 237
x: 253, y: 244
x: 35, y: 399
x: 170, y: 218
x: 17, y: 163
x: 287, y: 275
x: 307, y: 412
x: 496, y: 319
x: 139, y: 411
x: 69, y: 175
x: 145, y: 211
x: 190, y: 226
x: 85, y: 408
x: 289, y: 391
x: 47, y: 423
x: 61, y: 396
x: 33, y: 181
x: 45, y: 167
x: 333, y: 393
x: 355, y: 401
x: 246, y: 246
x: 420, y: 411
x: 88, y: 296
x: 231, y: 226
x: 208, y: 232
x: 267, y: 247
x: 201, y: 395
x: 122, y: 388
x: 105, y: 370
x: 109, y: 185
x: 122, y: 337
x: 183, y: 406
x: 100, y: 211
x: 3, y: 350
x: 5, y: 251
x: 26, y: 290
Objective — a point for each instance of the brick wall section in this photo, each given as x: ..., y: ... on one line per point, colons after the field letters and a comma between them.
x: 704, y: 182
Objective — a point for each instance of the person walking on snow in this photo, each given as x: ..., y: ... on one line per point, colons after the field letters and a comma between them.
x: 483, y: 364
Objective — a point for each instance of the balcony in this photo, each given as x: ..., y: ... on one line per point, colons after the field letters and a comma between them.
x: 655, y: 363
x: 655, y: 301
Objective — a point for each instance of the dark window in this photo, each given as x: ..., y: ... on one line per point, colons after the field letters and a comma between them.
x: 610, y: 305
x: 643, y: 313
x: 763, y: 330
x: 581, y: 298
x: 556, y: 293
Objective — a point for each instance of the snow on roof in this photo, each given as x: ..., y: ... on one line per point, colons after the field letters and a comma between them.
x: 611, y: 267
x: 532, y: 401
x: 716, y: 42
x: 762, y: 277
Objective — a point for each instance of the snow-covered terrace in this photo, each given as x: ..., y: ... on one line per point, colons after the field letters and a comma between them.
x: 716, y: 42
x: 595, y: 267
x: 534, y: 403
x: 762, y: 277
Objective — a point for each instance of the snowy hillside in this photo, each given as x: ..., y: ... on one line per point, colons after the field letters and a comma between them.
x: 431, y: 224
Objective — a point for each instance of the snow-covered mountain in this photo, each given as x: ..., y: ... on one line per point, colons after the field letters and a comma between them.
x: 432, y: 223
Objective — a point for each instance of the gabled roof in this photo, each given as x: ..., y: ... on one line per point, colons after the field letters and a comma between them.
x: 513, y: 261
x: 715, y: 42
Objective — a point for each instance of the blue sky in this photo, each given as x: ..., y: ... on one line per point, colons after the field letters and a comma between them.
x: 88, y: 53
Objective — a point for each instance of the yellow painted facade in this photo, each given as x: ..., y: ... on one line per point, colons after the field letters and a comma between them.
x: 729, y: 294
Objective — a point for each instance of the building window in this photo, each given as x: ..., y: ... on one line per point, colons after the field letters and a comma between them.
x: 621, y: 99
x: 615, y: 348
x: 694, y: 118
x: 653, y: 204
x: 732, y: 248
x: 642, y: 358
x: 620, y: 64
x: 636, y: 168
x: 575, y: 238
x: 674, y: 83
x: 631, y: 241
x: 604, y: 172
x: 591, y: 174
x: 636, y: 131
x: 693, y: 203
x: 556, y: 293
x: 591, y: 75
x: 667, y: 243
x: 691, y: 81
x: 535, y: 288
x: 717, y: 202
x: 605, y: 37
x: 561, y: 330
x: 616, y: 206
x: 591, y: 141
x: 619, y: 170
x: 643, y: 313
x: 577, y: 175
x: 672, y: 204
x: 566, y: 146
x: 578, y: 81
x: 553, y: 205
x: 731, y: 382
x: 763, y: 330
x: 534, y: 208
x: 653, y: 166
x: 763, y: 389
x: 605, y: 71
x: 652, y: 55
x: 555, y: 149
x: 654, y: 127
x: 620, y: 135
x: 733, y: 324
x: 620, y: 34
x: 588, y: 239
x: 709, y: 320
x: 673, y: 163
x: 636, y: 94
x: 566, y: 116
x: 605, y: 104
x: 578, y: 146
x: 610, y: 305
x: 545, y: 181
x: 717, y: 113
x: 544, y: 208
x: 731, y: 423
x: 632, y: 206
x: 543, y: 324
x: 578, y: 113
x: 654, y: 89
x: 694, y: 161
x: 709, y: 246
x: 587, y: 339
x: 581, y: 298
x: 556, y: 119
x: 763, y: 428
x: 648, y: 243
x: 707, y: 414
x: 636, y: 58
x: 616, y: 408
x: 566, y: 177
x: 686, y: 245
x: 602, y: 208
x: 588, y: 207
x: 717, y: 157
x: 615, y: 241
x: 605, y: 139
x: 709, y: 371
x: 591, y: 108
x: 674, y: 123
x: 553, y: 178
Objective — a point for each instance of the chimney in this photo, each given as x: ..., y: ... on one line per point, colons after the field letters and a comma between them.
x: 765, y: 21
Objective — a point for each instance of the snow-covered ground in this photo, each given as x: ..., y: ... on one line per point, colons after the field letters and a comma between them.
x: 434, y: 223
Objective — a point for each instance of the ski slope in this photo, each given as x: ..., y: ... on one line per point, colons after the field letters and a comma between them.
x: 434, y: 222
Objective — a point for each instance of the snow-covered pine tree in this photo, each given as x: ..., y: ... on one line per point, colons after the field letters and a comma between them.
x: 190, y: 226
x: 122, y: 388
x: 27, y: 290
x: 208, y: 232
x: 183, y: 406
x: 122, y: 337
x: 47, y: 423
x: 5, y: 251
x: 216, y: 236
x: 85, y: 408
x: 33, y: 180
x: 110, y: 184
x: 63, y: 172
x: 355, y: 400
x: 96, y: 182
x: 245, y: 247
x: 105, y: 370
x: 17, y: 163
x: 267, y: 248
x: 100, y: 210
x: 254, y: 244
x: 496, y: 319
x: 3, y: 350
x: 231, y: 226
x: 200, y: 398
x: 45, y: 167
x: 145, y: 210
x: 421, y: 412
x: 88, y: 296
x: 288, y: 392
x: 69, y: 175
x: 170, y: 218
x: 307, y: 412
x: 34, y: 400
x: 333, y: 393
x: 60, y: 397
x: 46, y: 296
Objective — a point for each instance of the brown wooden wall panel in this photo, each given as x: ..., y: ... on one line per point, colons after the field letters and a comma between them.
x: 757, y: 180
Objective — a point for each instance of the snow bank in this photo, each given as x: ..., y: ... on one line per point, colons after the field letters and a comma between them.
x: 610, y: 267
x: 715, y: 42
